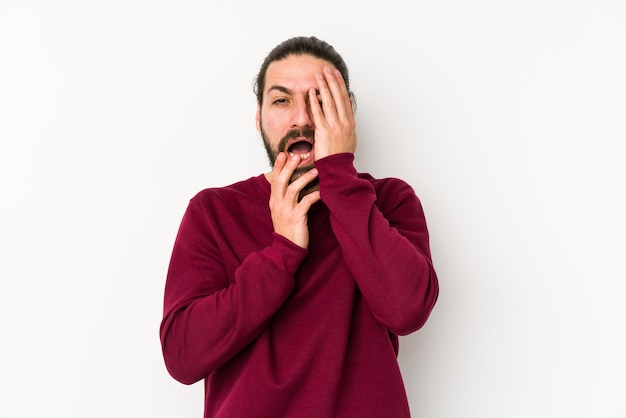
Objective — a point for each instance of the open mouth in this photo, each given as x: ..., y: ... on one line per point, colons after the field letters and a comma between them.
x: 301, y: 148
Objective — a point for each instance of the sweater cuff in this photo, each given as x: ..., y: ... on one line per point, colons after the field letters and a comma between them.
x: 285, y: 255
x: 336, y: 166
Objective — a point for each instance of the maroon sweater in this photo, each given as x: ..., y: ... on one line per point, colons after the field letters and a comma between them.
x: 279, y: 331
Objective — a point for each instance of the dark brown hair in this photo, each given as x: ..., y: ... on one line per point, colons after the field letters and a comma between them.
x: 302, y: 45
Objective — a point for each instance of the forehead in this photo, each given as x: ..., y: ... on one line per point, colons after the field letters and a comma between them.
x: 295, y: 72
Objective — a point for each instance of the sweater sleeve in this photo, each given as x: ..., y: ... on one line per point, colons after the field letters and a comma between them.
x: 384, y: 241
x: 208, y: 318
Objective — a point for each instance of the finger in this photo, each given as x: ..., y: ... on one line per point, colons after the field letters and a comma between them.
x: 339, y: 92
x: 300, y: 183
x: 278, y: 182
x: 279, y: 164
x: 328, y: 102
x: 284, y: 167
x: 305, y: 179
x: 337, y: 89
x: 316, y: 107
x: 308, y: 200
x: 280, y: 161
x: 344, y: 94
x: 290, y: 166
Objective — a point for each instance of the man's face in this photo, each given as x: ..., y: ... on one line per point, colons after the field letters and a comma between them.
x: 284, y: 118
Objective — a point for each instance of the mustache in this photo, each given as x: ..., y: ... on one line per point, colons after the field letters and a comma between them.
x: 296, y: 133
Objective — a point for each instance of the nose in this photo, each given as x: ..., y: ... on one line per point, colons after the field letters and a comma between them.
x: 302, y: 117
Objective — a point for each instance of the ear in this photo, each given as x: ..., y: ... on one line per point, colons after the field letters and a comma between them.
x: 258, y: 116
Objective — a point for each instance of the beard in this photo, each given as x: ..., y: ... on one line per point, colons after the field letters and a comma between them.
x: 272, y: 153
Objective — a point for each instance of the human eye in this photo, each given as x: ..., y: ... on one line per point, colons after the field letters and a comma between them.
x: 279, y: 101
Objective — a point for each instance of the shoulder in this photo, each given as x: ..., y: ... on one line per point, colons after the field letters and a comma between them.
x: 395, y: 198
x: 388, y: 187
x: 213, y: 207
x: 249, y: 189
x: 237, y: 199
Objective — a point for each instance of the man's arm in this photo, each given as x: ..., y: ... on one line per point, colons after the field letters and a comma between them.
x: 384, y: 240
x: 387, y: 251
x: 207, y: 317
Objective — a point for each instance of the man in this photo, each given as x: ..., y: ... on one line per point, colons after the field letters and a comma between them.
x: 286, y: 292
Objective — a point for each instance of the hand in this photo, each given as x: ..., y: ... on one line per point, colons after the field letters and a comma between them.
x: 335, y: 126
x: 289, y: 216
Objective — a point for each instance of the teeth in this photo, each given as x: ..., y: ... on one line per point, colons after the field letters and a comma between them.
x: 302, y: 156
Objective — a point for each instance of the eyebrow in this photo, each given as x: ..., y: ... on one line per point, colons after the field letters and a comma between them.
x: 285, y: 90
x: 279, y: 88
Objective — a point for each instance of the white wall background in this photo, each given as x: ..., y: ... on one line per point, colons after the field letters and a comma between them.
x: 507, y: 117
